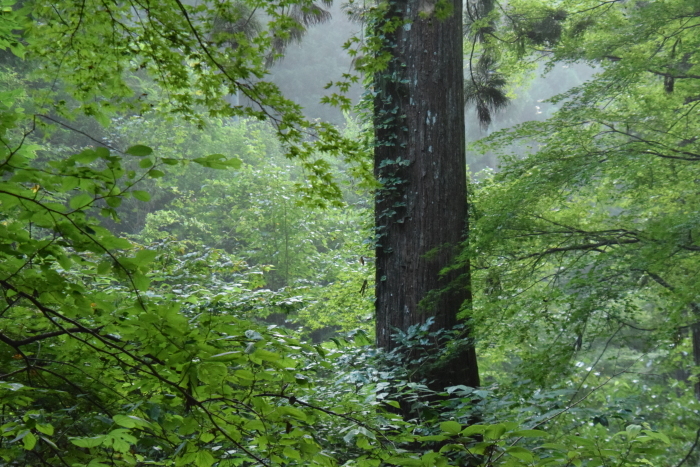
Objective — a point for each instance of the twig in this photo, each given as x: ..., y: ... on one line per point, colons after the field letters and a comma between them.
x: 692, y: 448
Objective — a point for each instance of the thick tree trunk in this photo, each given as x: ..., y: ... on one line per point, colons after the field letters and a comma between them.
x: 421, y: 211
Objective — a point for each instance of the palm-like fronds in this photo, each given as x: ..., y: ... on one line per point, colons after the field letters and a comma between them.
x: 232, y: 21
x: 475, y: 10
x: 300, y: 17
x: 485, y: 88
x: 238, y: 19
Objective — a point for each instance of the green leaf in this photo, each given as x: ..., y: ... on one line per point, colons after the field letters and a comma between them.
x: 474, y: 429
x: 129, y: 421
x: 120, y: 440
x: 218, y: 161
x: 291, y: 411
x: 141, y: 282
x: 529, y: 433
x: 29, y: 441
x: 520, y: 453
x: 266, y: 355
x: 139, y: 150
x: 211, y: 372
x: 204, y: 459
x: 451, y: 427
x: 227, y: 356
x: 80, y: 201
x: 48, y: 441
x: 141, y: 195
x: 433, y: 438
x: 88, y: 442
x: 633, y: 430
x: 45, y: 428
x: 494, y: 431
x: 363, y: 443
x: 555, y: 446
x: 102, y: 152
x: 86, y: 156
x: 408, y: 461
x: 113, y: 201
x: 145, y: 256
x: 657, y: 435
x: 116, y: 242
x: 291, y: 453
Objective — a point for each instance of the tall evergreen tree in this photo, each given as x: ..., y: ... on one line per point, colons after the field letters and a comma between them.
x: 421, y: 209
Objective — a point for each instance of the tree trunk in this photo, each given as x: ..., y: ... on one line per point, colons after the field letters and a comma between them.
x: 421, y: 211
x: 695, y: 333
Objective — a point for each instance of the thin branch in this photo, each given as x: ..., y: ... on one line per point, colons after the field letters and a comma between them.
x: 293, y: 400
x: 692, y: 448
x: 581, y: 247
x: 19, y: 343
x: 68, y: 127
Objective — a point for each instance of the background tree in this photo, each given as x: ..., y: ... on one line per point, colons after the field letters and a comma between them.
x: 584, y: 245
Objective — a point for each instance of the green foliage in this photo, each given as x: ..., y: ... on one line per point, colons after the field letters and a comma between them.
x: 585, y: 248
x: 105, y: 55
x: 139, y: 278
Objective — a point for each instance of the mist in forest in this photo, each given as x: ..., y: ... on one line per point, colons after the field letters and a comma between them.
x: 319, y: 58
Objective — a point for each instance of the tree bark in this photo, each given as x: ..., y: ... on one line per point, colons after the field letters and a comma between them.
x: 421, y: 210
x: 695, y: 336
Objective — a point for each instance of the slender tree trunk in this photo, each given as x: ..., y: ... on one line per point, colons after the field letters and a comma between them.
x: 421, y: 211
x: 695, y: 334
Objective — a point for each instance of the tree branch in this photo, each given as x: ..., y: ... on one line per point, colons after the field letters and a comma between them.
x: 28, y: 340
x: 580, y: 247
x: 690, y: 451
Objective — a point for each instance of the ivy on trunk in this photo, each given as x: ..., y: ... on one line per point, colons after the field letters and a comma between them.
x: 419, y: 157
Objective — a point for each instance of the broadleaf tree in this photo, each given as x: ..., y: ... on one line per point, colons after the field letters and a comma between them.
x: 585, y: 245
